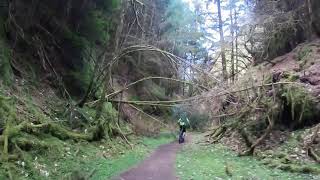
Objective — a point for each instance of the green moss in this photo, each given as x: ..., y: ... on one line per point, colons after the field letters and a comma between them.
x: 299, y: 103
x: 302, y: 56
x: 109, y: 110
x: 37, y: 113
x: 290, y: 76
x: 217, y: 162
x: 7, y: 111
x: 277, y: 44
x: 95, y: 27
x: 66, y: 159
x: 268, y: 79
x: 64, y: 133
x: 29, y: 142
x: 81, y: 77
x: 75, y: 39
x: 87, y: 114
x: 134, y: 98
x: 7, y: 120
x: 303, y: 53
x: 283, y: 162
x: 5, y: 67
x: 109, y: 5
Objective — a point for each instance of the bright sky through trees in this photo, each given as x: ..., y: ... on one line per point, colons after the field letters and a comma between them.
x: 210, y: 27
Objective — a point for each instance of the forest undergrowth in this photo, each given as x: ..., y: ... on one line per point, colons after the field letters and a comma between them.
x: 37, y: 143
x: 218, y: 161
x: 273, y: 113
x: 82, y: 160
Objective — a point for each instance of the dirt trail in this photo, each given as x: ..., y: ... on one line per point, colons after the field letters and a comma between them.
x: 159, y: 166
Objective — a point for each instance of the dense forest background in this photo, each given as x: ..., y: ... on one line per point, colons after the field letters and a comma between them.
x: 93, y: 70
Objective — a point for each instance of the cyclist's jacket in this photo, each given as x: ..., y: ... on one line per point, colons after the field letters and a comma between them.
x: 183, y: 121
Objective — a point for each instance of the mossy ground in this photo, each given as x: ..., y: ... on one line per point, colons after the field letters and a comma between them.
x: 216, y: 162
x: 42, y: 154
x: 74, y: 160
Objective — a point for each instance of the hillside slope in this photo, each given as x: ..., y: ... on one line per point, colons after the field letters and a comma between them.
x: 273, y: 112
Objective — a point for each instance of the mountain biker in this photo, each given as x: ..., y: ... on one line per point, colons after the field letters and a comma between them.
x: 183, y: 120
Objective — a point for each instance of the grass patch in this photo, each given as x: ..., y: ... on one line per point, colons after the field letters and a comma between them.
x: 75, y: 160
x: 217, y: 162
x: 114, y: 166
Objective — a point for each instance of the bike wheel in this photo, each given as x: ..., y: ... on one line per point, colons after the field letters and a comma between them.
x: 181, y: 139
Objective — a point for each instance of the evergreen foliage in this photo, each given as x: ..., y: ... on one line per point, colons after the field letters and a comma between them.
x: 59, y: 36
x: 182, y: 27
x: 5, y: 53
x: 5, y: 67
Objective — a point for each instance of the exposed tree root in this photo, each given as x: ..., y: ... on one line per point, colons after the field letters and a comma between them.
x: 63, y: 133
x: 10, y: 133
x: 55, y: 129
x: 250, y: 151
x: 22, y: 144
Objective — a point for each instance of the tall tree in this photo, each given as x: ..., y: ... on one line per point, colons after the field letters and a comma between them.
x: 236, y: 42
x: 182, y: 28
x: 222, y: 43
x: 231, y: 9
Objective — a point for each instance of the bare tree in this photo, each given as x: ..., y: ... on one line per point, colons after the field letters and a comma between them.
x: 222, y: 43
x: 232, y: 40
x: 236, y: 42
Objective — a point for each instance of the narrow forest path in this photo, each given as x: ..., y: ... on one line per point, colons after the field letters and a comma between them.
x: 159, y: 165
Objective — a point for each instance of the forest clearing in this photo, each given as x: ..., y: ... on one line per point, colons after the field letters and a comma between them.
x: 159, y: 89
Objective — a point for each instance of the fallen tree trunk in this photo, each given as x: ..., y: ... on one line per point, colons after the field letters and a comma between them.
x: 52, y: 128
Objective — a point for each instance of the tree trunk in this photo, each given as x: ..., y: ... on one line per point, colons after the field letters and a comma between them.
x: 232, y: 43
x: 222, y: 43
x: 236, y: 44
x: 310, y: 19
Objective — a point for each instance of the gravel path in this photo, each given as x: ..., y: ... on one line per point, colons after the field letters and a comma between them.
x: 159, y: 166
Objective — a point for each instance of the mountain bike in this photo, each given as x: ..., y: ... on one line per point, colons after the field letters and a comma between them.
x: 181, y: 136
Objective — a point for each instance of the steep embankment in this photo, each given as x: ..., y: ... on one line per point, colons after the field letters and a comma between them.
x: 273, y: 112
x: 58, y: 62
